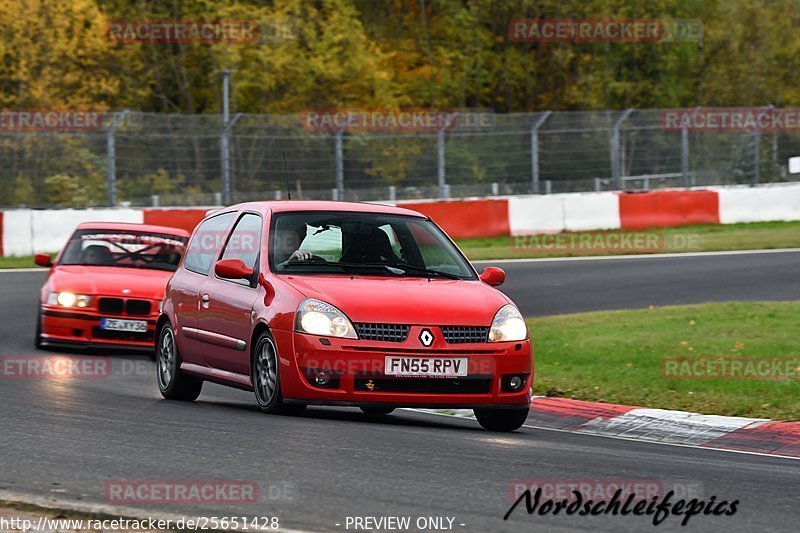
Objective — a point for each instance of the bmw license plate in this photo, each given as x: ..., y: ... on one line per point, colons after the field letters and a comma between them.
x: 118, y: 324
x: 435, y: 367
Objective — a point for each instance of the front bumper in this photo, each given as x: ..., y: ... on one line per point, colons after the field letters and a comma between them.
x: 358, y: 378
x: 80, y: 328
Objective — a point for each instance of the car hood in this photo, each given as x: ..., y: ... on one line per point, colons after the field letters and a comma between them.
x: 405, y: 300
x: 110, y: 281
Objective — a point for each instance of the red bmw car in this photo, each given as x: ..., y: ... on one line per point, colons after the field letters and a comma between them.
x: 105, y: 287
x: 341, y: 304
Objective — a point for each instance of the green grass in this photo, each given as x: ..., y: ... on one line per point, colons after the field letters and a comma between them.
x: 17, y: 262
x: 696, y: 238
x: 616, y: 357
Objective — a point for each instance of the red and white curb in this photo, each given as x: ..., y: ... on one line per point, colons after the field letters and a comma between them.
x: 753, y: 435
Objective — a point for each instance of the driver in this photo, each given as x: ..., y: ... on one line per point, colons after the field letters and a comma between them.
x: 289, y: 235
x: 97, y: 255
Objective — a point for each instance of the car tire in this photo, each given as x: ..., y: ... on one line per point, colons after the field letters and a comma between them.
x: 501, y: 419
x: 266, y: 377
x: 377, y: 411
x: 172, y: 383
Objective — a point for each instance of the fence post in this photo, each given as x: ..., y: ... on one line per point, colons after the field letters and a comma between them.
x: 757, y: 155
x: 224, y: 152
x: 225, y: 157
x: 616, y: 167
x: 685, y: 155
x: 111, y: 156
x: 339, y: 165
x: 392, y: 193
x: 442, y: 180
x: 535, y: 151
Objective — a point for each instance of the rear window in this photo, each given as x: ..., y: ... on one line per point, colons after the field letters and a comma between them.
x: 124, y: 248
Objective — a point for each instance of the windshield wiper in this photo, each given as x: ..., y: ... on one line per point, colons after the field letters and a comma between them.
x: 400, y: 268
x: 428, y: 271
x: 395, y: 268
x: 363, y: 266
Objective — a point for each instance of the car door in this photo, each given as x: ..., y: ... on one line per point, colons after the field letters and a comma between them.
x: 191, y: 276
x: 226, y: 306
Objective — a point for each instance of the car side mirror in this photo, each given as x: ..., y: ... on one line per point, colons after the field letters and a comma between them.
x: 43, y: 260
x: 232, y: 269
x: 493, y: 276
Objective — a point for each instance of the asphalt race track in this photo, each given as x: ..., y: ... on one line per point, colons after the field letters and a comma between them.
x: 556, y: 287
x: 67, y: 438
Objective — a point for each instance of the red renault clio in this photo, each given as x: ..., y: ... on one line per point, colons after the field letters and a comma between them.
x: 338, y: 303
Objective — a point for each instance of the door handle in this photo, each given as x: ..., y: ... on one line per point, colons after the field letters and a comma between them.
x: 206, y: 300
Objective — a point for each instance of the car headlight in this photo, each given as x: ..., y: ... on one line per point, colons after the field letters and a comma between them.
x: 508, y: 325
x: 69, y: 299
x: 320, y: 318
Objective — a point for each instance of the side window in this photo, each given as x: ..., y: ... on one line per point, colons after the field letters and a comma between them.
x: 245, y: 241
x: 205, y: 242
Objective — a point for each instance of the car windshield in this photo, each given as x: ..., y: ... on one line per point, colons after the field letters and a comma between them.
x: 363, y: 244
x: 129, y: 249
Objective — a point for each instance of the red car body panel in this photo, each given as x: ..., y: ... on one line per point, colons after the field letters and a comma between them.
x: 79, y: 327
x: 217, y: 321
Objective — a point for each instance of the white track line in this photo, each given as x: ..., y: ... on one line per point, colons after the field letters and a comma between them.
x: 12, y: 270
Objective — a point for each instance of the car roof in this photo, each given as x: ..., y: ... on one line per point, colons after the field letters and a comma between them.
x: 129, y: 226
x: 281, y: 206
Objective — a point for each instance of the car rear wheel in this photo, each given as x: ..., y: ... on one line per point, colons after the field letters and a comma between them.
x: 377, y: 411
x: 501, y: 419
x: 172, y: 383
x: 267, y: 378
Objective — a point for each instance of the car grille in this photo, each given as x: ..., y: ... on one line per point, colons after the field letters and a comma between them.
x: 464, y: 334
x: 138, y: 307
x: 113, y: 306
x: 382, y: 332
x: 118, y: 306
x: 475, y: 385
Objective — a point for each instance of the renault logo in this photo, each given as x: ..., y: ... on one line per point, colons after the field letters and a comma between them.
x: 426, y: 337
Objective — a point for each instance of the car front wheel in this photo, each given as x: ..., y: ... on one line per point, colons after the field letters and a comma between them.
x: 172, y: 383
x: 501, y: 419
x: 267, y: 378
